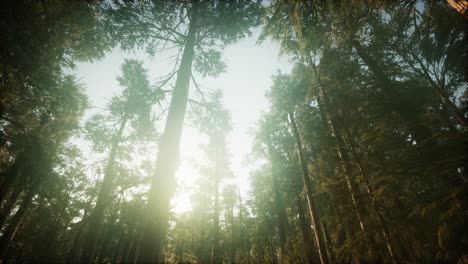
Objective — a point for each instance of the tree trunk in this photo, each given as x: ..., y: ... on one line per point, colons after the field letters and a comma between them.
x: 241, y: 227
x: 305, y: 230
x: 75, y: 250
x: 215, y: 249
x: 74, y: 253
x: 342, y: 153
x: 233, y: 230
x: 129, y: 243
x: 118, y: 250
x: 163, y: 183
x: 319, y: 237
x: 97, y: 216
x: 10, y: 177
x: 280, y: 214
x: 381, y: 78
x: 272, y: 250
x: 54, y: 231
x: 9, y: 205
x: 105, y: 241
x: 10, y: 231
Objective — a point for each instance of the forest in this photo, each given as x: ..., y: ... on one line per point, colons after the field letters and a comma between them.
x: 360, y: 156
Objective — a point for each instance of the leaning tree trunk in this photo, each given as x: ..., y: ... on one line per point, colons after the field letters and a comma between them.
x: 305, y: 230
x: 298, y: 30
x: 303, y: 222
x: 97, y: 215
x: 381, y: 222
x: 163, y: 183
x: 319, y: 237
x: 343, y: 155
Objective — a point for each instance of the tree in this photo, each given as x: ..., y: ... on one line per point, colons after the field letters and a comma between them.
x: 199, y: 37
x: 214, y: 121
x: 128, y: 117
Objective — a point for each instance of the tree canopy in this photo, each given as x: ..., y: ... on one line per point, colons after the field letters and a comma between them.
x: 361, y: 155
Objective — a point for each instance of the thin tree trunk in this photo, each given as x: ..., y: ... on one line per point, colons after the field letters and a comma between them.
x: 319, y: 237
x: 133, y: 254
x: 342, y: 153
x: 73, y: 255
x: 162, y: 184
x: 201, y: 246
x: 305, y: 230
x: 118, y: 248
x: 128, y: 244
x: 97, y: 216
x: 54, y: 231
x: 215, y: 248
x: 381, y: 78
x: 233, y: 245
x: 272, y: 251
x: 327, y: 241
x: 281, y: 217
x: 459, y: 117
x: 61, y: 252
x: 241, y: 227
x: 383, y: 228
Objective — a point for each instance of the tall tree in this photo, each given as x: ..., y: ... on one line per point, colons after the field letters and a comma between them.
x: 199, y: 30
x: 132, y: 108
x: 215, y: 122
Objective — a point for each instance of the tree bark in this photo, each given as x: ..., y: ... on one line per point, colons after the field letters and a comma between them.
x: 162, y: 184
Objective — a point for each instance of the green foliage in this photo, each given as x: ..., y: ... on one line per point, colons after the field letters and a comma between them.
x: 378, y: 94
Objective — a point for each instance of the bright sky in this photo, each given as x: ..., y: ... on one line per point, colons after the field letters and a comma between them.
x: 248, y: 76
